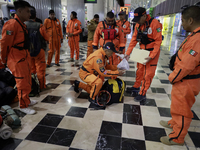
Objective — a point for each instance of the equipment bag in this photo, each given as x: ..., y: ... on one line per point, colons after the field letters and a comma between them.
x: 7, y: 77
x: 7, y: 94
x: 10, y: 117
x: 108, y: 34
x: 111, y: 92
x: 35, y: 88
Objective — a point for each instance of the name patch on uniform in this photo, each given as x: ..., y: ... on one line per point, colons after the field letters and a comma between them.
x: 158, y: 30
x: 102, y: 69
x: 193, y: 53
x: 9, y: 32
x: 99, y: 61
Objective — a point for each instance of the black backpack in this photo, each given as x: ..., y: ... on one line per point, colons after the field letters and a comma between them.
x: 35, y: 88
x: 35, y: 38
x: 7, y: 77
x: 111, y: 92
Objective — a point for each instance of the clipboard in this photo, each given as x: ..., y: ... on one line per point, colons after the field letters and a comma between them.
x: 139, y: 55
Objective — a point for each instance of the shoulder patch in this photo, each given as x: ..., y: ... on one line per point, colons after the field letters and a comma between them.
x: 9, y: 32
x: 158, y: 30
x: 99, y: 61
x: 193, y: 53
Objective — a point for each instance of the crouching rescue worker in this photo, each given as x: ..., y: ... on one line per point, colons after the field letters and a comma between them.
x: 14, y: 52
x: 96, y: 64
x: 109, y: 31
x: 37, y: 36
x: 185, y: 79
x: 73, y: 30
x: 148, y: 34
x: 53, y: 27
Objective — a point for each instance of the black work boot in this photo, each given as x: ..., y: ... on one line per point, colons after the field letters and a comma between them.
x: 76, y: 86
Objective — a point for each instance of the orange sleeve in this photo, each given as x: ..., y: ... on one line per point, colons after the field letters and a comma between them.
x: 79, y: 29
x: 133, y: 41
x: 157, y: 36
x: 190, y: 59
x: 97, y: 35
x: 45, y: 24
x: 127, y: 30
x: 44, y: 33
x: 100, y: 68
x: 60, y: 29
x: 121, y: 38
x: 8, y: 36
x: 67, y: 28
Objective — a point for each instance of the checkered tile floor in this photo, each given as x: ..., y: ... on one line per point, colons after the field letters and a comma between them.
x: 65, y: 120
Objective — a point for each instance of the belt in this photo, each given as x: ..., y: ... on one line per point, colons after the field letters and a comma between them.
x: 84, y: 69
x: 192, y: 76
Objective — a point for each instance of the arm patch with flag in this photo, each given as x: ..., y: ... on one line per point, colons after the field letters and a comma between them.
x: 193, y: 53
x: 9, y: 32
x: 158, y: 30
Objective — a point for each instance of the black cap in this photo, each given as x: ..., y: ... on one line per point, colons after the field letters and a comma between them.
x: 110, y: 46
x: 122, y: 13
x: 51, y: 12
x: 138, y: 13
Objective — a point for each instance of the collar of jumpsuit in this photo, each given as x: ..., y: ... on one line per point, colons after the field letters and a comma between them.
x: 147, y: 20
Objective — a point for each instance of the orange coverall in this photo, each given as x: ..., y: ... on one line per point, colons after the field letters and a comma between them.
x: 18, y: 61
x: 74, y: 26
x: 184, y: 90
x: 118, y: 41
x: 54, y: 30
x: 38, y: 63
x: 96, y: 64
x: 126, y: 27
x: 145, y: 73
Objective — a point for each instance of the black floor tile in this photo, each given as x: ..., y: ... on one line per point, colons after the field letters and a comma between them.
x: 106, y: 142
x: 127, y: 94
x: 195, y: 136
x: 168, y: 74
x: 129, y: 83
x: 51, y: 120
x: 19, y: 113
x: 153, y: 134
x: 130, y: 118
x: 53, y: 85
x: 160, y: 71
x: 165, y: 81
x: 148, y: 102
x: 132, y: 66
x: 164, y: 112
x: 111, y: 128
x: 77, y: 65
x: 51, y: 99
x: 74, y: 149
x: 129, y: 74
x: 132, y: 109
x: 165, y: 66
x: 62, y: 137
x: 46, y: 75
x: 68, y: 82
x: 40, y: 134
x: 158, y: 90
x: 131, y: 144
x: 131, y: 62
x: 77, y: 112
x: 60, y: 70
x: 9, y: 144
x: 169, y: 95
x: 195, y: 116
x: 66, y: 73
x: 84, y: 95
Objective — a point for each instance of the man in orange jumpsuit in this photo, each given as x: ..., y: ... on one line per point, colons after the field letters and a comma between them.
x: 14, y: 53
x: 109, y: 31
x: 148, y: 33
x: 125, y: 25
x: 185, y: 79
x: 38, y: 63
x: 92, y: 25
x: 96, y: 64
x: 53, y: 27
x: 73, y: 30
